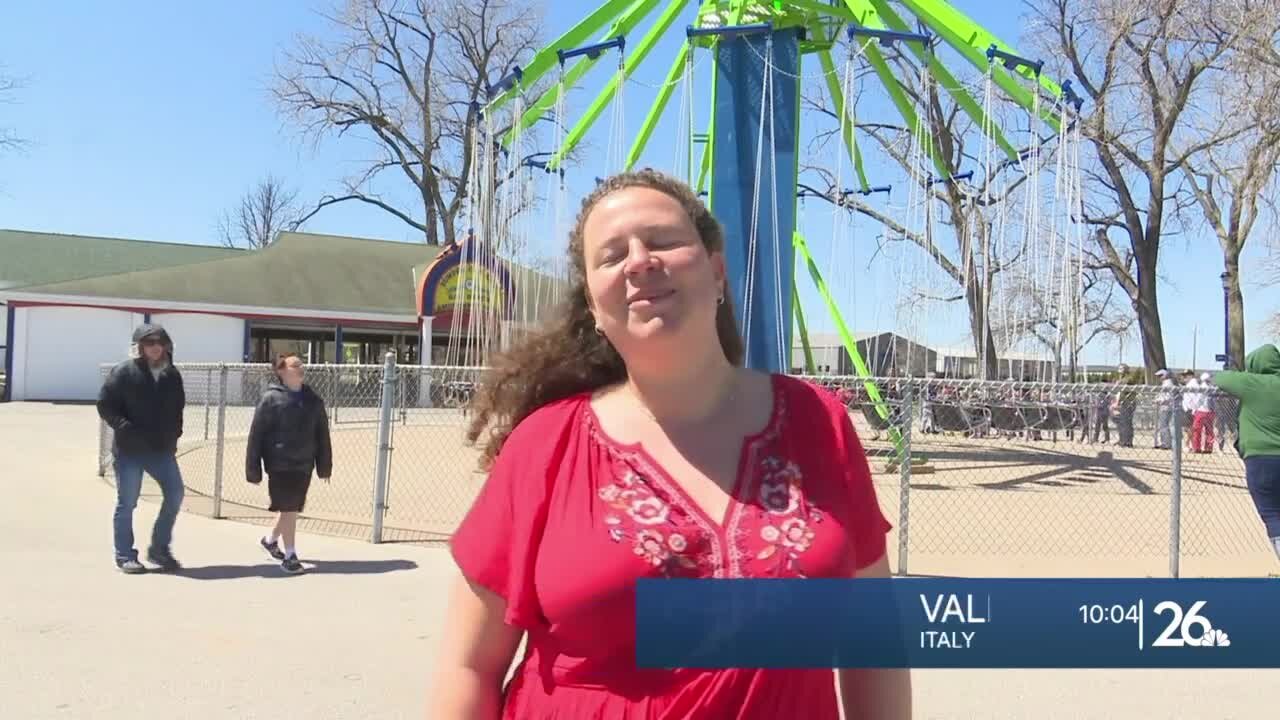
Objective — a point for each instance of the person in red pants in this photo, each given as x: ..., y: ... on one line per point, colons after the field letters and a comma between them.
x: 1202, y: 416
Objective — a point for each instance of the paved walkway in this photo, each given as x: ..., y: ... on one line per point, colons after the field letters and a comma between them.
x: 233, y: 638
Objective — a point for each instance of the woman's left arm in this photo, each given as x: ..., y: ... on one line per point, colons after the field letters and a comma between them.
x: 875, y: 693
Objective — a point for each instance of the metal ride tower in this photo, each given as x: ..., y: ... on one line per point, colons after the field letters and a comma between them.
x: 749, y: 162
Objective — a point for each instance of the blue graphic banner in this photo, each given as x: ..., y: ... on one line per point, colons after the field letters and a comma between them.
x: 959, y: 623
x: 754, y: 130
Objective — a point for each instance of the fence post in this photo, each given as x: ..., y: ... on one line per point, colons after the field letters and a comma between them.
x: 904, y: 477
x: 221, y: 440
x: 1175, y: 491
x: 337, y: 392
x: 384, y: 445
x: 402, y: 397
x: 208, y: 380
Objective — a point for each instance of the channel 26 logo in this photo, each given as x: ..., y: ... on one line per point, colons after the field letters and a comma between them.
x: 1191, y: 628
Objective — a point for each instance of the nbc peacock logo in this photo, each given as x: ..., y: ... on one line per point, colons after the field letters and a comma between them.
x: 1215, y: 638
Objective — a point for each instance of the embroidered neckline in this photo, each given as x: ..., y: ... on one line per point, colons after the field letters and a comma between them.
x: 718, y: 534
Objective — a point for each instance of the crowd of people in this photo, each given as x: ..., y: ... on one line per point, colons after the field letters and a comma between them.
x: 1081, y: 412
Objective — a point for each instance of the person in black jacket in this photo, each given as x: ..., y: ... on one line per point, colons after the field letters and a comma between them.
x: 142, y: 401
x: 289, y: 437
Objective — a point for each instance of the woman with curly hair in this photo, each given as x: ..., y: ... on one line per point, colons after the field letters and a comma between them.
x: 625, y: 440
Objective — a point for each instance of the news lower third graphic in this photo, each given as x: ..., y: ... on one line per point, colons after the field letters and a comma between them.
x: 959, y: 623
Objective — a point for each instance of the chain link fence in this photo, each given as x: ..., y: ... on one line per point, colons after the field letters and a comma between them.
x: 1020, y: 478
x: 978, y: 478
x: 419, y: 493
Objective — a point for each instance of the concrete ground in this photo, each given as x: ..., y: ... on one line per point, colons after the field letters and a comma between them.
x: 232, y: 638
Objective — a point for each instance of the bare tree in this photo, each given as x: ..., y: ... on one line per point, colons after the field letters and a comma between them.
x: 1065, y: 325
x: 1140, y: 65
x: 1268, y: 268
x: 959, y: 245
x: 9, y: 138
x: 409, y: 78
x: 264, y: 211
x: 1233, y: 182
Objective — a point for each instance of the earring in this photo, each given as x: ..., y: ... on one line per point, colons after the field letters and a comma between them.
x: 599, y: 331
x: 720, y: 300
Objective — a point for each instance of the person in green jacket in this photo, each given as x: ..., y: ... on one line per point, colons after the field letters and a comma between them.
x: 1258, y: 390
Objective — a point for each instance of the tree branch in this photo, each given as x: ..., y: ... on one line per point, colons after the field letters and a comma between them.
x: 328, y: 200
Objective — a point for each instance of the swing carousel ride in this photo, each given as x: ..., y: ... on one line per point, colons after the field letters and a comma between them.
x: 995, y: 224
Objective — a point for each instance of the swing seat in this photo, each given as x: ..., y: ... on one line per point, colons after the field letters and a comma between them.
x: 1035, y: 416
x: 457, y: 393
x: 1010, y: 418
x: 950, y: 417
x: 1053, y: 418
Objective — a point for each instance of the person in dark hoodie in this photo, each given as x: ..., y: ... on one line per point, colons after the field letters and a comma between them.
x: 142, y: 400
x: 289, y: 437
x: 1258, y: 390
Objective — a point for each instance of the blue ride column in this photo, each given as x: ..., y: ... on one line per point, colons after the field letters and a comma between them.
x: 739, y: 116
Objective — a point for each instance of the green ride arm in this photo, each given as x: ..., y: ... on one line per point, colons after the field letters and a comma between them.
x: 804, y: 332
x: 971, y: 40
x: 633, y: 59
x: 659, y: 106
x: 903, y: 103
x: 632, y: 17
x: 939, y: 71
x: 546, y: 58
x: 850, y: 345
x: 820, y: 8
x: 837, y: 99
x: 791, y: 230
x: 704, y: 171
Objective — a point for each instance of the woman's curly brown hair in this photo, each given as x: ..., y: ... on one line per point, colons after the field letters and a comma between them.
x: 566, y: 356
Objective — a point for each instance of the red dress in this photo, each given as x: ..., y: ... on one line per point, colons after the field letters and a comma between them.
x: 569, y: 519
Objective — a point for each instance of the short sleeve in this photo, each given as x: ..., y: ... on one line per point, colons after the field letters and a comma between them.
x: 867, y: 526
x: 496, y: 543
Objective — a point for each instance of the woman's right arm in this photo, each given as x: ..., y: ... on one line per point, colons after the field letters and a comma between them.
x: 475, y: 653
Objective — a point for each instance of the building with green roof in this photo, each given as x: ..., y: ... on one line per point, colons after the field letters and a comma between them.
x: 35, y: 258
x: 74, y: 304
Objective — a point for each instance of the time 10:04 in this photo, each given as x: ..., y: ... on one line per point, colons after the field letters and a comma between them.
x: 1097, y: 614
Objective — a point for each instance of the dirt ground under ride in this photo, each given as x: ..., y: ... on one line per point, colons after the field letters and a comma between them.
x: 978, y: 507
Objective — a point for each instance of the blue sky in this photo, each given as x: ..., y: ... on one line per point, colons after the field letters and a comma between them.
x: 147, y: 122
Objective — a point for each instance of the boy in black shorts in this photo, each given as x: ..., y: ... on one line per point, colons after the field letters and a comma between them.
x: 289, y: 437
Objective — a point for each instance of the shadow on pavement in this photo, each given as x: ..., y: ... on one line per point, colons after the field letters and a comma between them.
x: 318, y: 567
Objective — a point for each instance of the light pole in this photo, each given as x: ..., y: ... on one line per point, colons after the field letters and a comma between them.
x: 1225, y: 357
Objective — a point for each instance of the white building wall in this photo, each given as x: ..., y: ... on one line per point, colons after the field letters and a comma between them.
x: 58, y: 351
x: 205, y: 338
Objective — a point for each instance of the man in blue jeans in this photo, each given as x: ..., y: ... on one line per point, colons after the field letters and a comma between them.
x: 142, y: 400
